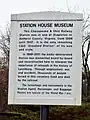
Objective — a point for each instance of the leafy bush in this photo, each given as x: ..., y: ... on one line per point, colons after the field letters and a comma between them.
x: 55, y: 112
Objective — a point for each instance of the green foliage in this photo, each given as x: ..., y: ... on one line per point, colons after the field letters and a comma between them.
x: 29, y: 112
x: 55, y: 112
x: 70, y: 112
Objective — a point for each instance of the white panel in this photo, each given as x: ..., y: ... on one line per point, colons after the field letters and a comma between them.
x: 45, y: 58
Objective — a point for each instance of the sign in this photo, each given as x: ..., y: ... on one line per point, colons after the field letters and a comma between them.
x: 45, y: 59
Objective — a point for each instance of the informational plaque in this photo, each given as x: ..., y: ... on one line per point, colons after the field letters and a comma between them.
x: 45, y: 58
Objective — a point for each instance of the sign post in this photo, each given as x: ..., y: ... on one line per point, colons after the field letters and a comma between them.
x: 44, y: 110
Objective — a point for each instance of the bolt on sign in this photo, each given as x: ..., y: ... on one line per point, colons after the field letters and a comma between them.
x: 45, y: 58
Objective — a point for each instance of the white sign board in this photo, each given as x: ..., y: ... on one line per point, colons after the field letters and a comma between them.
x: 45, y: 59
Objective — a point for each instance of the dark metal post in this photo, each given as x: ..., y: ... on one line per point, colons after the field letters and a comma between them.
x: 44, y: 110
